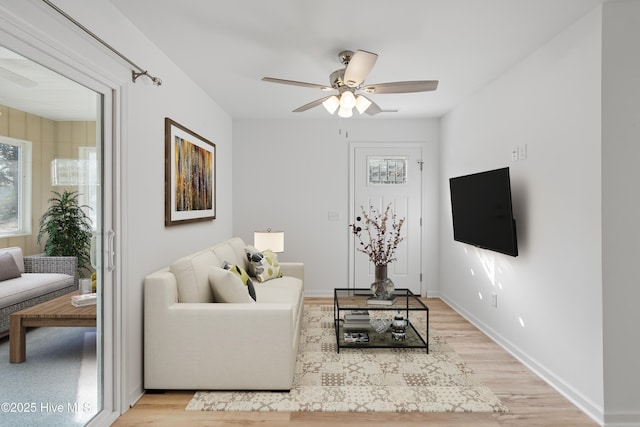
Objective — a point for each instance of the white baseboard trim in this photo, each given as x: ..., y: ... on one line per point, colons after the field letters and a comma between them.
x: 319, y: 294
x: 134, y: 396
x: 329, y: 293
x: 622, y: 419
x: 435, y: 293
x: 594, y: 411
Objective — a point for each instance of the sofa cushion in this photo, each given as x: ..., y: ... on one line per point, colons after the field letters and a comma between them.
x: 16, y: 253
x: 227, y: 287
x: 232, y: 251
x: 283, y: 290
x: 32, y: 285
x: 192, y: 276
x: 243, y: 276
x: 8, y: 267
x: 263, y: 265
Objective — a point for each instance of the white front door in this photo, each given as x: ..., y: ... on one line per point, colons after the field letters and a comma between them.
x: 383, y: 174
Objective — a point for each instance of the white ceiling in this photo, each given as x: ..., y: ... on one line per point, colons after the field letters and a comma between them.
x: 227, y: 47
x: 28, y: 86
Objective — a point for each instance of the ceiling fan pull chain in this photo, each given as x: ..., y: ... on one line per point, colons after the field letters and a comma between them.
x: 346, y: 132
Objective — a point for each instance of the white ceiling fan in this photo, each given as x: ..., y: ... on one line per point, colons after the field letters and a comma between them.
x: 349, y: 82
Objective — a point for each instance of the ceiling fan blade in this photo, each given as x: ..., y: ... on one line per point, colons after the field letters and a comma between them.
x: 312, y: 104
x: 402, y: 87
x: 359, y: 67
x: 295, y: 83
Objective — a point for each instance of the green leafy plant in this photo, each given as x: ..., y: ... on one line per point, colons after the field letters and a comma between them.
x: 68, y: 229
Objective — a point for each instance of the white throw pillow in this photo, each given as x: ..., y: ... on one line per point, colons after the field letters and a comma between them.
x: 227, y: 287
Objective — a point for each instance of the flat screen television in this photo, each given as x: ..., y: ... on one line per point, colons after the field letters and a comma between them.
x: 482, y: 211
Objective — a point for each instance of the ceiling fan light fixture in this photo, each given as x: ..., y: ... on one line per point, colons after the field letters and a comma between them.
x: 347, y: 100
x: 362, y: 104
x: 349, y: 83
x: 345, y: 113
x: 331, y: 104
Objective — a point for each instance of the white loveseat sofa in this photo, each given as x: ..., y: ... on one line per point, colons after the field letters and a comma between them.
x: 192, y: 342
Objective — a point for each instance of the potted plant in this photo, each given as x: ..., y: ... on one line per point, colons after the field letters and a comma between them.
x: 68, y: 229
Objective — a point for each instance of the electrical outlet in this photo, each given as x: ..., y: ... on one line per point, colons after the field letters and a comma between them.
x: 515, y: 153
x: 494, y: 300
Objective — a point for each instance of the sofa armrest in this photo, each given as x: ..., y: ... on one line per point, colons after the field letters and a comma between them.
x: 52, y: 264
x: 293, y: 269
x: 219, y: 346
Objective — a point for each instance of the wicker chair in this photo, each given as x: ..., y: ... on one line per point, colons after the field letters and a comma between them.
x: 42, y: 264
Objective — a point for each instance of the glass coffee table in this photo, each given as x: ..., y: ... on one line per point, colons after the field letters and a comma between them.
x: 352, y: 314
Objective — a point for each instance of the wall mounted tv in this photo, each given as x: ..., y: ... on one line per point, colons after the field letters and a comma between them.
x: 482, y: 211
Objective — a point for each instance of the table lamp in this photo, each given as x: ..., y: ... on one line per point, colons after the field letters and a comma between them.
x: 269, y: 239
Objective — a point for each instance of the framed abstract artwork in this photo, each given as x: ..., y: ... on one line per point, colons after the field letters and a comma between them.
x: 190, y: 175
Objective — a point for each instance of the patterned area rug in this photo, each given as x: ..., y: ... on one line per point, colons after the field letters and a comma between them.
x: 364, y: 380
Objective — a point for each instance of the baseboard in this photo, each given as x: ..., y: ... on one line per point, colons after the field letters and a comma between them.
x: 329, y: 293
x: 435, y: 293
x: 319, y: 294
x: 622, y: 419
x: 134, y: 396
x: 585, y: 405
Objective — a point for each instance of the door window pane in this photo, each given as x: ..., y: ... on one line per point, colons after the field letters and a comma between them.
x: 386, y: 170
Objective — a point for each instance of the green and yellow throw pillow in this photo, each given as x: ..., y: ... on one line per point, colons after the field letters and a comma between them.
x: 263, y: 265
x: 243, y: 276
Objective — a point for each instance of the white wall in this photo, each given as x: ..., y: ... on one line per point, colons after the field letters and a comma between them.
x: 620, y: 211
x: 289, y: 174
x: 549, y: 311
x: 146, y: 243
x: 149, y: 245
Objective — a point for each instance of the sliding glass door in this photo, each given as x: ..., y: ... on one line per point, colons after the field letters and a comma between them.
x: 56, y: 139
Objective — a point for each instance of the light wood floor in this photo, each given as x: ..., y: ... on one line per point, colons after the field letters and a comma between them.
x: 530, y: 400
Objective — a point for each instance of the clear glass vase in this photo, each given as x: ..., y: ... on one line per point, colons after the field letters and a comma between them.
x: 383, y: 287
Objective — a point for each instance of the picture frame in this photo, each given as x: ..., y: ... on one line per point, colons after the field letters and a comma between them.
x: 190, y: 175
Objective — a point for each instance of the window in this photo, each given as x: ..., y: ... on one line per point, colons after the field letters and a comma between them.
x: 15, y: 187
x: 81, y: 173
x: 89, y: 191
x: 387, y: 170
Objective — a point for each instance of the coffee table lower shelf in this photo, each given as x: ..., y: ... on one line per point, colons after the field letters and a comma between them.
x: 380, y: 340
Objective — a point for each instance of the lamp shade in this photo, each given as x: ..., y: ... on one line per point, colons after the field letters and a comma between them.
x: 347, y: 100
x: 362, y: 104
x: 331, y: 104
x: 345, y: 113
x: 269, y: 239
